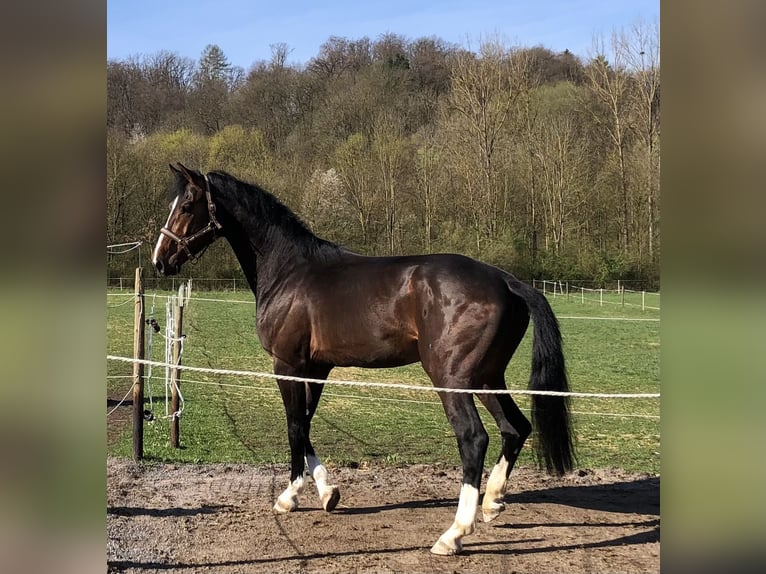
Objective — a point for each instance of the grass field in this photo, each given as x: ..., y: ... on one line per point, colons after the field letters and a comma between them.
x: 232, y: 420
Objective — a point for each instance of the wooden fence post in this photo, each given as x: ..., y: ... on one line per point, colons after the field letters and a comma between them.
x: 175, y: 376
x: 138, y: 368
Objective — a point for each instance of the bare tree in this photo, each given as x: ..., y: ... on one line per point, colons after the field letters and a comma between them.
x: 609, y: 83
x: 641, y: 49
x: 389, y: 149
x: 428, y: 180
x: 353, y: 164
x: 560, y: 161
x: 484, y: 90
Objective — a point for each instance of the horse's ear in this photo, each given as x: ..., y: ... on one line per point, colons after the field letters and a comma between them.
x: 173, y: 168
x: 184, y: 171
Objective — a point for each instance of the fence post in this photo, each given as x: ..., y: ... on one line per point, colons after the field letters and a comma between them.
x: 623, y: 295
x: 567, y: 291
x: 582, y: 295
x: 138, y: 368
x: 601, y: 296
x: 643, y: 301
x: 175, y: 375
x: 534, y: 285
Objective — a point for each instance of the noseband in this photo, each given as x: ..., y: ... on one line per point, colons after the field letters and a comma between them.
x: 212, y: 227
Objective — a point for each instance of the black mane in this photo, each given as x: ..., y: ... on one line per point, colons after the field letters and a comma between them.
x: 282, y: 226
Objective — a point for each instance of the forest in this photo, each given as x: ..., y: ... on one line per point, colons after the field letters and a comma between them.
x: 546, y: 164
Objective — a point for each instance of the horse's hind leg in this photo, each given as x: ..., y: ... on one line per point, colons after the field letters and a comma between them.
x: 329, y: 494
x: 472, y: 442
x: 514, y: 430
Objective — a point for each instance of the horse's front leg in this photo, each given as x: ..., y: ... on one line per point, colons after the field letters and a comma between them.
x: 294, y: 399
x: 329, y: 494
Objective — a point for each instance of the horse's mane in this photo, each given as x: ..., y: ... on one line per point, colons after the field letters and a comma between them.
x: 261, y: 206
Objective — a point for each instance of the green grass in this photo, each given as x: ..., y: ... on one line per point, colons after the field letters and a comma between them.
x: 353, y: 425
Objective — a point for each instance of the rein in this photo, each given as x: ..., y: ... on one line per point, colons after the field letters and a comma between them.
x: 213, y: 226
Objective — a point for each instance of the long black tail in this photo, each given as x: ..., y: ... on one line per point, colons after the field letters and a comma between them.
x: 553, y: 442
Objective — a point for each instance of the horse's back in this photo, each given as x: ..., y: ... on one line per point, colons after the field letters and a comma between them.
x: 389, y: 311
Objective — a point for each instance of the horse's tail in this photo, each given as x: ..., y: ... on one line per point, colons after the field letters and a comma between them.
x: 554, y: 444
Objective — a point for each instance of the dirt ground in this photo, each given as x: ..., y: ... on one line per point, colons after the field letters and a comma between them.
x: 218, y: 518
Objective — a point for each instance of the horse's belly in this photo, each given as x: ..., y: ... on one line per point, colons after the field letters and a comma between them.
x: 381, y: 353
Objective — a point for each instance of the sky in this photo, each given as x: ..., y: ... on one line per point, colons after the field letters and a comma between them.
x: 246, y: 29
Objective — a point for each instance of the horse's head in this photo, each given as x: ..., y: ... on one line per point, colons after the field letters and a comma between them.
x: 191, y: 226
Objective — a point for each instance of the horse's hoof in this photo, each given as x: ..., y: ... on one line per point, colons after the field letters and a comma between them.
x: 441, y: 548
x: 492, y: 511
x: 330, y: 499
x: 282, y: 507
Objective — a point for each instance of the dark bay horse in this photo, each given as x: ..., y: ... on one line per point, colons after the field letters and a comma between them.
x: 319, y: 306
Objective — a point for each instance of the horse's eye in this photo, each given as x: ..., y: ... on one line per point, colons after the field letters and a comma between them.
x: 186, y: 207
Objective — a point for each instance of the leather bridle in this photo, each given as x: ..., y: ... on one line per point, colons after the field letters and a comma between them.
x: 213, y: 226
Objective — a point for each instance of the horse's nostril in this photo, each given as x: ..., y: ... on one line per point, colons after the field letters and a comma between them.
x: 160, y: 267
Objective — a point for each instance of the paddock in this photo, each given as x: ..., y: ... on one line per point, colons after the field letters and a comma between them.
x: 167, y: 517
x: 174, y: 514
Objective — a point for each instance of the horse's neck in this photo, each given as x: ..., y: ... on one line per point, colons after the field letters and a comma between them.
x: 265, y: 253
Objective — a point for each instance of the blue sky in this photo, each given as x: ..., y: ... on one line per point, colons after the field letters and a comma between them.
x: 244, y: 29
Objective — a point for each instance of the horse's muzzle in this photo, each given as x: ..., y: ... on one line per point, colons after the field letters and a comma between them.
x: 166, y: 269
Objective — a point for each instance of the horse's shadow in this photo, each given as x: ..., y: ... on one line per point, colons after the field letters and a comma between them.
x: 640, y: 496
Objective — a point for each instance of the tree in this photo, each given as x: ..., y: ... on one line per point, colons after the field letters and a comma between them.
x: 213, y: 66
x: 326, y: 208
x: 353, y: 163
x: 484, y: 90
x: 428, y: 181
x: 389, y: 149
x: 147, y: 94
x: 214, y: 79
x: 609, y: 84
x: 395, y: 146
x: 269, y: 100
x: 641, y: 49
x: 117, y: 190
x: 561, y: 157
x: 242, y: 151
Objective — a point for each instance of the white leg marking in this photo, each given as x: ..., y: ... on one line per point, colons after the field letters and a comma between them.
x: 328, y: 493
x: 162, y: 235
x: 493, y: 497
x: 288, y: 500
x: 451, y: 541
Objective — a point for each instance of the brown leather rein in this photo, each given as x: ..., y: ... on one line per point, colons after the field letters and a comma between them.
x: 212, y: 227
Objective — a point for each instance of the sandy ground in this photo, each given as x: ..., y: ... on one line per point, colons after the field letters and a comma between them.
x: 218, y: 518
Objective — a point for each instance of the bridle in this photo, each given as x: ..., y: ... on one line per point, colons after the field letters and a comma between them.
x: 213, y: 226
